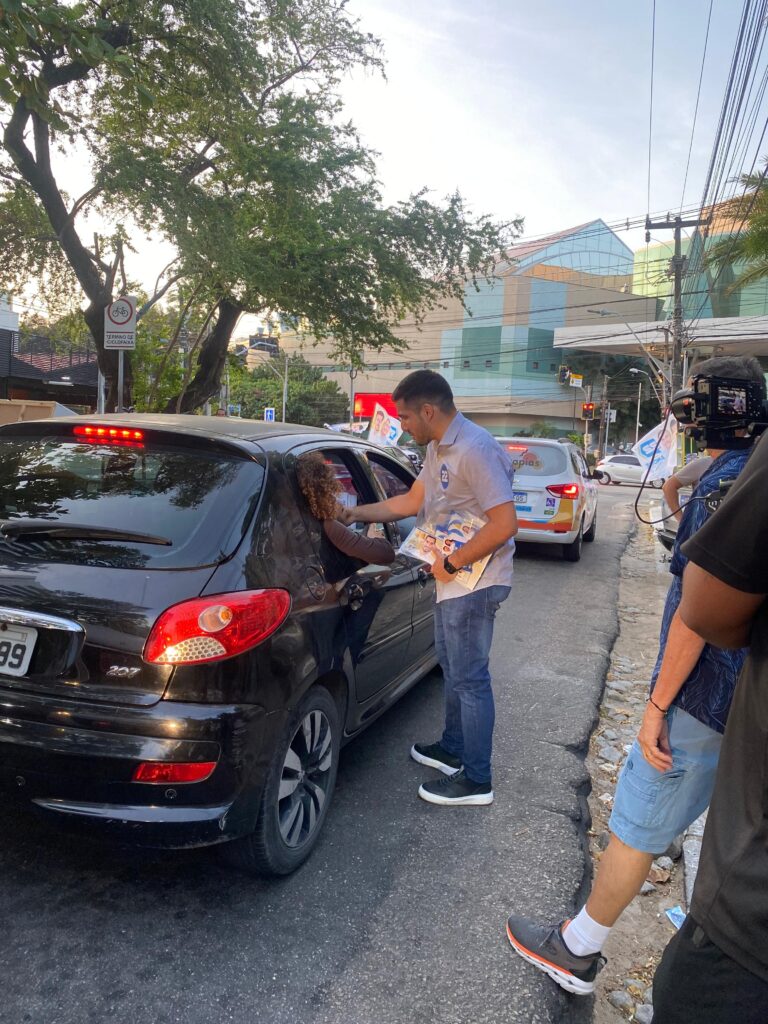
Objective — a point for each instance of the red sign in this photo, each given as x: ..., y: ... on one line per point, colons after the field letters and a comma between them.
x: 366, y: 401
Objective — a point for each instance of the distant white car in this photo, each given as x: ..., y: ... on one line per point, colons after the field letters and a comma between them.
x: 624, y: 469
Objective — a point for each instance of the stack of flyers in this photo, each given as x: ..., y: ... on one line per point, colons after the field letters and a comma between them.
x: 444, y: 536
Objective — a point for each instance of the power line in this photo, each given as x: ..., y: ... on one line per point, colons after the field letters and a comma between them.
x: 650, y: 105
x: 696, y: 108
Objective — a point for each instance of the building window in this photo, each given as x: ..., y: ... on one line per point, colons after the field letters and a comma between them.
x: 373, y: 366
x: 488, y: 364
x: 553, y: 367
x: 534, y: 365
x: 465, y: 364
x: 446, y: 364
x: 407, y: 366
x: 426, y: 365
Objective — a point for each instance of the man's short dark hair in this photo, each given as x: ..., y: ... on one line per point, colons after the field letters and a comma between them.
x: 424, y: 386
x: 738, y: 367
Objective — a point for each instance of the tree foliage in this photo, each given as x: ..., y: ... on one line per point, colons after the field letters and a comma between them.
x: 312, y: 398
x: 215, y: 124
x: 748, y: 246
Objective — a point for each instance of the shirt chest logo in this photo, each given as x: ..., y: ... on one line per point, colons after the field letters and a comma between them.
x: 444, y: 477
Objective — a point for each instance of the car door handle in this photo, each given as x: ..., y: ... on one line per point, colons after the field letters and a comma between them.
x: 423, y: 576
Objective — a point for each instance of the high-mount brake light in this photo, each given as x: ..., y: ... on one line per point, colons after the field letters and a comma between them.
x: 564, y: 490
x: 97, y: 434
x: 177, y: 771
x: 216, y: 627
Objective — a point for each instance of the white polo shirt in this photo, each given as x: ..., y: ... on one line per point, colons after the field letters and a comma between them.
x: 469, y: 471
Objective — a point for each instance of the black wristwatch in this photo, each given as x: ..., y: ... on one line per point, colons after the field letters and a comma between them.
x: 450, y: 569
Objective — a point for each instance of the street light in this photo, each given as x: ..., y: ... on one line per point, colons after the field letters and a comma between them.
x: 634, y: 369
x: 283, y: 378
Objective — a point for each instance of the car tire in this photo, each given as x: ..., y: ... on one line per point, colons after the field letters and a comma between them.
x: 303, y: 768
x: 589, y: 536
x: 605, y: 479
x: 572, y: 551
x: 656, y: 484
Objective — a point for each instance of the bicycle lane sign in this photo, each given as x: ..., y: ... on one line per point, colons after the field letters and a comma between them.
x: 120, y: 323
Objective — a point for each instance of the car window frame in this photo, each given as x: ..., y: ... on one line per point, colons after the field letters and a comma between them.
x: 361, y: 476
x: 395, y: 532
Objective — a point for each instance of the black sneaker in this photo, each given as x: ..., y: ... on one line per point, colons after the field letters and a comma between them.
x: 435, y: 756
x: 457, y: 791
x: 545, y: 948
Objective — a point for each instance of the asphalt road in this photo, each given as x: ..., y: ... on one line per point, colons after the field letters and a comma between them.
x: 398, y: 916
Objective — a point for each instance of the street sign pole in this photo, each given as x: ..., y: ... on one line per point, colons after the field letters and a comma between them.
x: 120, y: 379
x: 119, y: 335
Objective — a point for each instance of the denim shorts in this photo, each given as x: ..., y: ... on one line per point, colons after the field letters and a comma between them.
x: 651, y: 807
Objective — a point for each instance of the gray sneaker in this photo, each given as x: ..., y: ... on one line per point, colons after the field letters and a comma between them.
x: 544, y: 947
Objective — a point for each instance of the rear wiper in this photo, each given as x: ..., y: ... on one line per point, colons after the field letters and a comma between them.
x: 20, y: 528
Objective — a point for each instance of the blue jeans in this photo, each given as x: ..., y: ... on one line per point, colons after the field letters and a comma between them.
x: 463, y: 635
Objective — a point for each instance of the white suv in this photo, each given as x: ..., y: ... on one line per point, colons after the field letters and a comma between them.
x: 555, y: 493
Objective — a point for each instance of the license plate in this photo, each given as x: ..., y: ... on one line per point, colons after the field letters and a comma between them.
x: 16, y: 646
x: 520, y: 497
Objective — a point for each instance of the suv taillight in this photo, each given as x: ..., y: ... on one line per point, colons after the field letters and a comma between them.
x: 216, y: 627
x: 564, y: 490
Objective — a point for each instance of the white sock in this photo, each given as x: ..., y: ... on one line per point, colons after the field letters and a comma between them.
x: 584, y: 936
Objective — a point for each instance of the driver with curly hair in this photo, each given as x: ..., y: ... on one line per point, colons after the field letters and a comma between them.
x: 321, y: 489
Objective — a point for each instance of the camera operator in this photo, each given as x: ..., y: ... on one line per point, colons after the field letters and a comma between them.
x: 667, y: 779
x: 716, y: 967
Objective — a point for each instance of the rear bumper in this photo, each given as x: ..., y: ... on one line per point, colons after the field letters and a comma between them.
x: 545, y: 535
x: 74, y: 764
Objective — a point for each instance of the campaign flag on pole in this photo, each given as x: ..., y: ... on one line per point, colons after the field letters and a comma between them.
x: 385, y: 429
x: 663, y: 441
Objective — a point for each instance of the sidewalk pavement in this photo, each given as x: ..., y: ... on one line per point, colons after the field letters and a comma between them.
x: 624, y: 988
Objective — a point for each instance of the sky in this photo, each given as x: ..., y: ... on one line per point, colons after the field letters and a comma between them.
x: 541, y: 109
x: 537, y: 110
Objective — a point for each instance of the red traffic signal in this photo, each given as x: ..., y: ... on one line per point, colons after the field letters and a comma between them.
x: 588, y: 410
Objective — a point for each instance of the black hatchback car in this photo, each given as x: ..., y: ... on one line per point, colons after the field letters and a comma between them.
x: 182, y: 652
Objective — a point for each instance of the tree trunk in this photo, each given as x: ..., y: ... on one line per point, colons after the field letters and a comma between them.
x: 210, y: 363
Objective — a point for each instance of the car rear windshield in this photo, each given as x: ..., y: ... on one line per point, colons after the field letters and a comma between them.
x: 536, y: 459
x: 199, y: 501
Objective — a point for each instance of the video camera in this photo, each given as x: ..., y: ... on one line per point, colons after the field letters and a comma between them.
x: 713, y: 409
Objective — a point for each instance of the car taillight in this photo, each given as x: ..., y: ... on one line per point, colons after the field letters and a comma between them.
x: 564, y: 490
x: 212, y: 628
x: 179, y: 771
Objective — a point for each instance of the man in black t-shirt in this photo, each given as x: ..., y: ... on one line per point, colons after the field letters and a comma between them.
x: 716, y: 967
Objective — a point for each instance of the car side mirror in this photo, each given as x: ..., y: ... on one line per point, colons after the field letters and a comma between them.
x: 596, y: 474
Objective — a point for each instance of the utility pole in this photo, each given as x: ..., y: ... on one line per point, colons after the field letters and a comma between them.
x: 676, y: 224
x: 639, y: 399
x: 603, y: 416
x: 285, y: 388
x: 352, y: 374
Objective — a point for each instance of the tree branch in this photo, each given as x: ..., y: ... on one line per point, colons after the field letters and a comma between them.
x: 157, y: 295
x: 36, y: 171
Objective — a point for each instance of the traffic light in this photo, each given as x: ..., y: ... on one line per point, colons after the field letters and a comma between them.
x: 563, y: 373
x: 588, y: 410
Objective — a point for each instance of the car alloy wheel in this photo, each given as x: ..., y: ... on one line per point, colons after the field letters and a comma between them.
x: 298, y: 790
x: 605, y: 479
x: 305, y: 779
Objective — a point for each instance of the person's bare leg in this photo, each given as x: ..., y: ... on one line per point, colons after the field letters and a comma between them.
x: 621, y: 874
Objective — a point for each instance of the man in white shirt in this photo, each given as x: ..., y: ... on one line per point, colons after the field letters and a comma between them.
x: 465, y: 471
